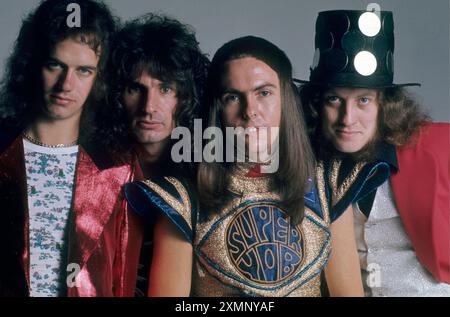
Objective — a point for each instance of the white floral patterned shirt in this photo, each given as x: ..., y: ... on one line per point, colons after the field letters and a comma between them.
x: 50, y: 177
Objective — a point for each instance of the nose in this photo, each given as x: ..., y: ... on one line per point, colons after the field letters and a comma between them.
x: 250, y: 108
x: 348, y: 113
x: 150, y: 102
x: 67, y: 81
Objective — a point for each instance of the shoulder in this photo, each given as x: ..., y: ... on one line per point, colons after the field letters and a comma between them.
x: 430, y: 134
x: 172, y: 197
x: 346, y: 182
x: 104, y: 159
x: 434, y: 135
x: 431, y: 143
x: 430, y: 147
x: 7, y: 137
x: 436, y: 126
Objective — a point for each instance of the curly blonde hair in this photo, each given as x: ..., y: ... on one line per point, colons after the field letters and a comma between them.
x: 400, y: 117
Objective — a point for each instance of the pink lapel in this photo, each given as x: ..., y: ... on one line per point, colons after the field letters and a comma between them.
x: 97, y: 196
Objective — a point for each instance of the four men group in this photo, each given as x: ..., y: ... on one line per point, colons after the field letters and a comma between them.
x: 94, y: 204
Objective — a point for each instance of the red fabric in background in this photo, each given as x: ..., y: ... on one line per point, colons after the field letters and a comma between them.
x: 422, y: 195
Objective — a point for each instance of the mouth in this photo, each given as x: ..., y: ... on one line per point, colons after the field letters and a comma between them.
x: 253, y: 129
x: 59, y: 100
x: 347, y: 134
x: 248, y: 130
x: 148, y: 125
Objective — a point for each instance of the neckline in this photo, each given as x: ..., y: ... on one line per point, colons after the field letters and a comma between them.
x: 46, y: 150
x: 245, y: 179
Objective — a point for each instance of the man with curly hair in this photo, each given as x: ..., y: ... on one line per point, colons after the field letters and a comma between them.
x: 64, y: 225
x: 356, y: 113
x: 158, y: 84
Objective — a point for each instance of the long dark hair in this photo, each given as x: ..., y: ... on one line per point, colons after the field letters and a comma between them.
x: 41, y: 30
x: 296, y: 158
x: 399, y: 119
x: 168, y: 50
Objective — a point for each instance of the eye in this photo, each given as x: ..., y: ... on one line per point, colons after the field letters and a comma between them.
x: 265, y: 93
x: 230, y: 98
x: 364, y: 100
x: 85, y: 71
x: 53, y: 66
x: 166, y: 89
x: 133, y: 89
x: 332, y: 100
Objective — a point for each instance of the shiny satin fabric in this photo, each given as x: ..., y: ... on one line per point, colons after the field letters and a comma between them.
x: 104, y: 239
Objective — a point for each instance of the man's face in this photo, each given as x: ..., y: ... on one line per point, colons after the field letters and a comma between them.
x: 350, y: 117
x: 151, y: 105
x: 67, y: 77
x: 251, y: 99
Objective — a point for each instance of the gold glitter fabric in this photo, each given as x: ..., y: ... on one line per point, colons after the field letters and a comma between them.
x: 348, y: 181
x: 339, y: 190
x: 181, y: 205
x: 163, y: 195
x: 250, y: 247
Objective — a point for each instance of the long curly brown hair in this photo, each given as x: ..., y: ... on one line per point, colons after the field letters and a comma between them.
x: 399, y: 119
x: 165, y: 48
x: 41, y: 30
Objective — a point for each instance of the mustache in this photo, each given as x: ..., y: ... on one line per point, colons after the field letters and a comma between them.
x: 149, y: 118
x: 255, y: 123
x: 62, y: 96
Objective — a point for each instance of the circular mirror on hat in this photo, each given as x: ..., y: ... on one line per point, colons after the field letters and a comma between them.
x: 369, y: 24
x: 316, y: 59
x: 354, y: 48
x: 339, y: 23
x: 365, y: 63
x: 390, y: 62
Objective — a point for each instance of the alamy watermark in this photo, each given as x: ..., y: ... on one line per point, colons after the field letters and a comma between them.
x: 252, y: 144
x: 74, y: 18
x: 73, y: 269
x: 374, y: 275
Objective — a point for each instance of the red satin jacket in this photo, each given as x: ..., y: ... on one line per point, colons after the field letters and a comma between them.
x: 422, y: 194
x: 104, y: 242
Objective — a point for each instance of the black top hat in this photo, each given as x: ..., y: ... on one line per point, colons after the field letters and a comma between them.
x: 354, y: 49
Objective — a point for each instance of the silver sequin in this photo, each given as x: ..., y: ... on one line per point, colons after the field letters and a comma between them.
x: 389, y: 264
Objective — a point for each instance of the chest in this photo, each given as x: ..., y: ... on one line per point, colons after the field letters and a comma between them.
x: 252, y: 249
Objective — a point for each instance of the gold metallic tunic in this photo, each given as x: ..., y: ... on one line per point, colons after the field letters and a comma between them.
x: 249, y: 248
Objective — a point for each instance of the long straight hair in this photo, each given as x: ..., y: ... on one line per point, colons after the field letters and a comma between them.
x: 293, y: 177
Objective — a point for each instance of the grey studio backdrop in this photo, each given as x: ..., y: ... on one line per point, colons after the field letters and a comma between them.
x: 421, y: 29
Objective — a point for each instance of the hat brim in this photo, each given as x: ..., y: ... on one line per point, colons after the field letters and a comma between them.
x: 300, y: 81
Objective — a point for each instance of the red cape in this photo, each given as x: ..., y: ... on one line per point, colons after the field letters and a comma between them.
x: 422, y: 195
